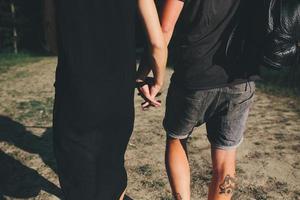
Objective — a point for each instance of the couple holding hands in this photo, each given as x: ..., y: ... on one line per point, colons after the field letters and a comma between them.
x: 96, y: 76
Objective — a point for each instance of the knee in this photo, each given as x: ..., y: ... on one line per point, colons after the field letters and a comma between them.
x: 173, y: 142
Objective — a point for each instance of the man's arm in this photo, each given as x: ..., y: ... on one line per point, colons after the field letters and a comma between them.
x: 169, y: 16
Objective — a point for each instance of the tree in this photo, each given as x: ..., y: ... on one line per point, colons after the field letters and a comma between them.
x: 21, y: 25
x: 5, y: 24
x: 14, y: 28
x: 50, y: 26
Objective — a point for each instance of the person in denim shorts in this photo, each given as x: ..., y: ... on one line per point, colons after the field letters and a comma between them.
x: 208, y: 86
x: 224, y: 110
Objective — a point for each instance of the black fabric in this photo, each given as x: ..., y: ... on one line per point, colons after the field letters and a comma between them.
x: 205, y: 32
x: 94, y: 111
x: 270, y: 36
x: 282, y: 33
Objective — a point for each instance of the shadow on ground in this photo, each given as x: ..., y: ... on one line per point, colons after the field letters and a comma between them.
x: 17, y: 180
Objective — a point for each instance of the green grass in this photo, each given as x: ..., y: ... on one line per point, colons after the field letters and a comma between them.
x: 8, y: 60
x: 280, y: 83
x: 39, y: 111
x: 278, y: 90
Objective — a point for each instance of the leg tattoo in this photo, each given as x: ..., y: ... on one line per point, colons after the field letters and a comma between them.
x: 177, y: 196
x: 228, y: 185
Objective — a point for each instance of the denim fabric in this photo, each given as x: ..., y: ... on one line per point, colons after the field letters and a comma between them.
x: 224, y: 110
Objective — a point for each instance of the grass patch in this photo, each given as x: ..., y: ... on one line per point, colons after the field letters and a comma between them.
x: 145, y: 170
x: 278, y: 90
x: 167, y: 197
x: 280, y: 83
x: 8, y: 60
x: 155, y: 184
x: 40, y: 112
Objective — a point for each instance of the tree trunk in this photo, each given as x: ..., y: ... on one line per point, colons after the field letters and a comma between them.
x: 50, y: 26
x: 15, y: 33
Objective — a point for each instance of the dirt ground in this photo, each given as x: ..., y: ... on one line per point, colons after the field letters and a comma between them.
x: 268, y: 161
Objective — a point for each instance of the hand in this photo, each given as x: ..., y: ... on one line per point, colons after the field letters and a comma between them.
x: 149, y: 91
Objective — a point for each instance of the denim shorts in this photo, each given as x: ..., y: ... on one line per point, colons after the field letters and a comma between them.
x: 224, y: 110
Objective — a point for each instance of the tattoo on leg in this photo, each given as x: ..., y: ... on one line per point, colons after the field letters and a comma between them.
x: 228, y: 185
x: 177, y: 196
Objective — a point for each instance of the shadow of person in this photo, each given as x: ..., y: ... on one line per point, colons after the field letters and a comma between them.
x: 19, y: 181
x: 15, y: 133
x: 15, y: 178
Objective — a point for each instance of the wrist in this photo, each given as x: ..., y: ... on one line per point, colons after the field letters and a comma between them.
x: 158, y: 83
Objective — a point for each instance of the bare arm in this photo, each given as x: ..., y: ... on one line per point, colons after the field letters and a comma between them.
x: 157, y: 44
x: 170, y: 13
x: 169, y: 16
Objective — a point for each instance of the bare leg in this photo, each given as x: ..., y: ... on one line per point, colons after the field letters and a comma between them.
x: 223, y: 181
x: 178, y: 169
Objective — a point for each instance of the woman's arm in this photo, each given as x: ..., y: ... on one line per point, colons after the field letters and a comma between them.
x: 158, y: 51
x: 157, y: 44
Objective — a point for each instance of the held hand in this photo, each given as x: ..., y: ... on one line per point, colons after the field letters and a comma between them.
x: 149, y: 92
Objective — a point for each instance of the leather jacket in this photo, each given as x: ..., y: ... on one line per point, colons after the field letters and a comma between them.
x: 267, y: 33
x: 282, y: 37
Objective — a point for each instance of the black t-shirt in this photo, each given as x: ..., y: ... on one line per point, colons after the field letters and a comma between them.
x: 204, y: 38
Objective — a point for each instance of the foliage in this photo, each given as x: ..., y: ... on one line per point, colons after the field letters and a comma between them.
x: 285, y: 82
x: 8, y: 60
x: 28, y: 22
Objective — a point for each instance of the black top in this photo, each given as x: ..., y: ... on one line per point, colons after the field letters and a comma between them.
x: 203, y: 35
x: 94, y: 104
x: 96, y: 51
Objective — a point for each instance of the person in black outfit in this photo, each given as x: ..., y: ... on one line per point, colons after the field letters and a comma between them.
x: 211, y: 84
x: 95, y: 81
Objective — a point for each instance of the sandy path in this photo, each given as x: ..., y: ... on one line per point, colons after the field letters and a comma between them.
x: 268, y: 164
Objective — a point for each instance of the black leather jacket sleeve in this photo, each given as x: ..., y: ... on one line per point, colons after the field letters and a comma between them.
x: 282, y: 40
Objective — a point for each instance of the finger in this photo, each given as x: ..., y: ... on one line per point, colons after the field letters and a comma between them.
x: 155, y: 103
x: 139, y: 94
x: 146, y: 95
x: 145, y: 106
x: 158, y: 94
x: 151, y: 100
x: 145, y: 92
